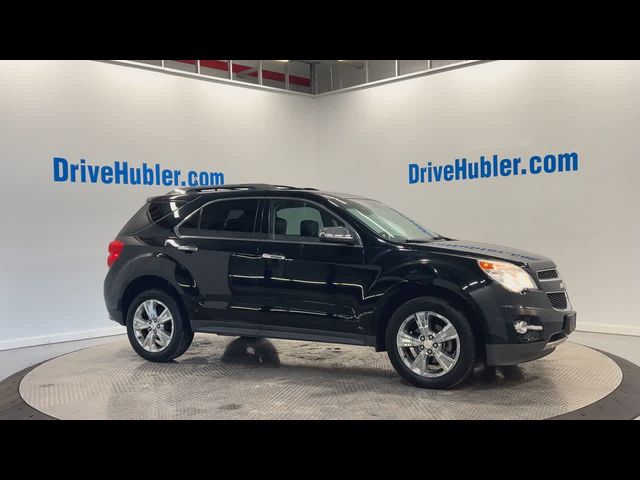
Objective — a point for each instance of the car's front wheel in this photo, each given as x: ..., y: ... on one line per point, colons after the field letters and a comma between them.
x: 156, y: 328
x: 430, y: 343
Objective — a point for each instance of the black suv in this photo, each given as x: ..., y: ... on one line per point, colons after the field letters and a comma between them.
x: 275, y: 261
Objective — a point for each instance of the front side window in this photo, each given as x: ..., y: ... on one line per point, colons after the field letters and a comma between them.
x: 226, y: 218
x: 387, y: 222
x: 299, y: 220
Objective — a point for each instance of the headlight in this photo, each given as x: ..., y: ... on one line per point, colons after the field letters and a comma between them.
x: 508, y: 275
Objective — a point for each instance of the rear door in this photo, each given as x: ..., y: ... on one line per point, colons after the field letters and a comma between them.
x: 216, y: 260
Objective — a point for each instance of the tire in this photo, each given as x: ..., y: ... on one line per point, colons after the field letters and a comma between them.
x: 154, y: 348
x: 431, y: 373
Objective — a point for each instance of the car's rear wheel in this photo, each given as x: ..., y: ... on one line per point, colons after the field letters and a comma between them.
x: 431, y: 343
x: 156, y: 328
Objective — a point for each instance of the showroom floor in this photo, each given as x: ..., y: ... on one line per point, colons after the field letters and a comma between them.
x: 15, y: 360
x: 12, y: 361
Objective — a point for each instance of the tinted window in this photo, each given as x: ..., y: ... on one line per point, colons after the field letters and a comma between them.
x: 190, y: 225
x: 165, y: 214
x: 137, y: 222
x: 228, y: 218
x: 297, y: 219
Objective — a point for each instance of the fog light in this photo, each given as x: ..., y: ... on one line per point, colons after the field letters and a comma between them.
x: 521, y: 327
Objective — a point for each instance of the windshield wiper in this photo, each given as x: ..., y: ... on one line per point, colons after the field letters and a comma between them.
x: 424, y: 240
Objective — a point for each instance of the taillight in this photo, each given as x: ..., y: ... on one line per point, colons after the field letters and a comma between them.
x: 115, y: 248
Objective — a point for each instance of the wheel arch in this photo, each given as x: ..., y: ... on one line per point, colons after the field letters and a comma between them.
x: 413, y: 290
x: 149, y: 282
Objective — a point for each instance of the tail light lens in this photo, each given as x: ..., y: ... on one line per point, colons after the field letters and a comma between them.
x: 115, y: 248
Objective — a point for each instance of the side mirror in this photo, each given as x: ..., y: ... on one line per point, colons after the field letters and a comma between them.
x: 336, y: 235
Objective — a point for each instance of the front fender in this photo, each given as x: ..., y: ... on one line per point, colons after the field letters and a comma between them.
x: 450, y: 279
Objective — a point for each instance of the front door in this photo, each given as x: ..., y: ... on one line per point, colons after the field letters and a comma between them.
x: 312, y: 288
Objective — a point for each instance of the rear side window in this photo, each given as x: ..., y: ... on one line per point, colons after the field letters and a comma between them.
x: 227, y: 218
x: 165, y: 214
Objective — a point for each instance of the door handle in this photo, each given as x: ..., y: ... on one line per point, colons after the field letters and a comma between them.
x: 187, y: 248
x: 273, y: 256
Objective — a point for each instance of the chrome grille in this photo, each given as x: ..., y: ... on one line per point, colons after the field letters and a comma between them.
x: 558, y: 300
x: 548, y: 274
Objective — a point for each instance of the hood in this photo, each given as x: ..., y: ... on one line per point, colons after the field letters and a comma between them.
x: 488, y: 250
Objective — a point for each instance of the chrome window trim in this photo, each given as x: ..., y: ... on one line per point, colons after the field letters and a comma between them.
x: 196, y: 211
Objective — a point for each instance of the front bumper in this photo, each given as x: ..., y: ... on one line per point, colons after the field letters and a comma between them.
x: 512, y: 354
x: 527, y: 349
x: 501, y: 309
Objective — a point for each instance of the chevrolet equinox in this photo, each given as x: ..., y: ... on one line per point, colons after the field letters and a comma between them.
x: 283, y: 262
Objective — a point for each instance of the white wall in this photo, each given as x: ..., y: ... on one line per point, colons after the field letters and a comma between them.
x: 585, y: 220
x: 54, y: 235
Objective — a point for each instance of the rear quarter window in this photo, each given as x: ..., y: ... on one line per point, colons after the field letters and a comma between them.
x: 164, y: 214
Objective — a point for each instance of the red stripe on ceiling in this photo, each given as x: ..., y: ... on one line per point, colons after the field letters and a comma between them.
x: 268, y: 74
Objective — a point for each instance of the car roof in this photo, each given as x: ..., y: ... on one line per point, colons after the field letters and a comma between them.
x: 253, y: 189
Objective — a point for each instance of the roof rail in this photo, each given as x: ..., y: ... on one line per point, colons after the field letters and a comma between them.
x: 238, y: 186
x: 288, y: 187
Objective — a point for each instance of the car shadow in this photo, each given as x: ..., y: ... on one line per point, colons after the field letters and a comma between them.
x: 260, y: 352
x: 251, y: 351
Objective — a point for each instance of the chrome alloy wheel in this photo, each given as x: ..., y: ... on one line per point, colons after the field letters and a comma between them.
x: 428, y: 344
x: 153, y: 325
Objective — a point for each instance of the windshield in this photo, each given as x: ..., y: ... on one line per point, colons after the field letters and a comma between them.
x: 387, y: 222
